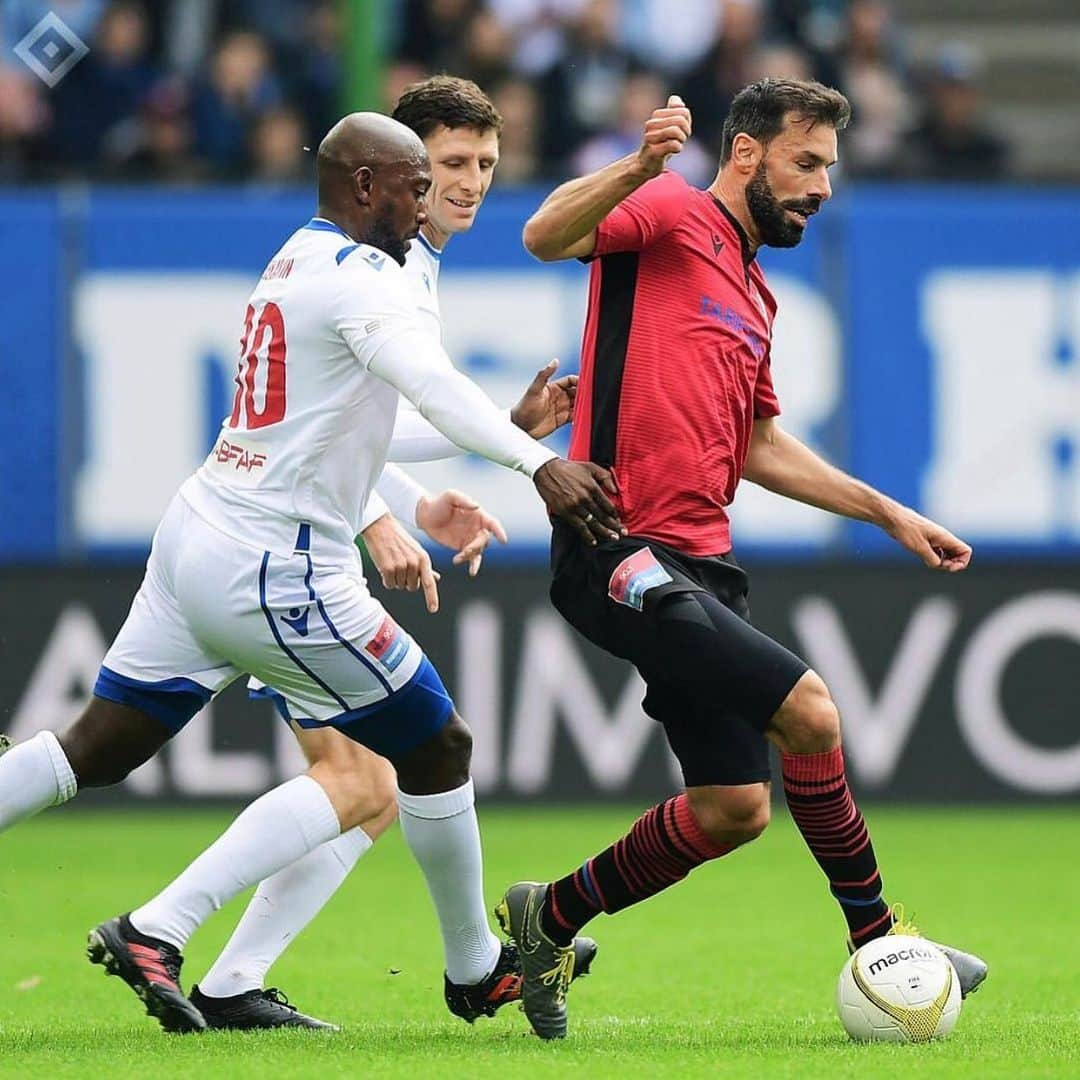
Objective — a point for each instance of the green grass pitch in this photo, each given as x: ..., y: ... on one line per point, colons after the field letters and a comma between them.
x: 731, y: 973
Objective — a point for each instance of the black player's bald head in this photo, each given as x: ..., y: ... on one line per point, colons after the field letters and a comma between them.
x: 364, y: 140
x: 373, y: 178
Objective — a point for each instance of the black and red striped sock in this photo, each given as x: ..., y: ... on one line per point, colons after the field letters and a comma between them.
x: 825, y: 813
x: 661, y: 848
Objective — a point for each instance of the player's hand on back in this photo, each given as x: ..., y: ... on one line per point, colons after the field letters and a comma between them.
x: 546, y: 405
x: 461, y: 524
x: 666, y: 132
x: 401, y: 561
x: 934, y: 544
x: 577, y: 492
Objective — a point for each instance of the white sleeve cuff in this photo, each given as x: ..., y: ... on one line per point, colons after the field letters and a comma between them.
x: 401, y: 493
x: 374, y: 509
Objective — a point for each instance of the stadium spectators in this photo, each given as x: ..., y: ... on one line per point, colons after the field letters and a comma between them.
x: 162, y: 145
x: 870, y: 74
x: 580, y: 94
x: 640, y: 93
x: 23, y: 121
x: 520, y: 160
x: 953, y: 142
x: 95, y: 107
x: 723, y: 70
x: 239, y: 86
x: 184, y: 91
x: 277, y: 148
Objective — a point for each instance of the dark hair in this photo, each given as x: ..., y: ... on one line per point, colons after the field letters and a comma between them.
x: 448, y: 100
x: 760, y: 108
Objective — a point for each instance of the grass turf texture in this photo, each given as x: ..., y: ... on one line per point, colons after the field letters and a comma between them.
x: 731, y: 973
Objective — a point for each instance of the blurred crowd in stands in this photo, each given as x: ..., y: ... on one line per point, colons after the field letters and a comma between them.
x: 188, y: 91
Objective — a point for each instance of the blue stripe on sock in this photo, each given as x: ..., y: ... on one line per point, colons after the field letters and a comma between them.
x: 590, y: 886
x: 849, y: 901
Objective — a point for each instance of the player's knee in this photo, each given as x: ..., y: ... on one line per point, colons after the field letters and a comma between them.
x: 439, y: 764
x: 378, y: 824
x: 360, y: 786
x: 93, y: 768
x: 455, y: 742
x: 731, y: 817
x: 108, y: 742
x: 376, y: 801
x: 808, y: 722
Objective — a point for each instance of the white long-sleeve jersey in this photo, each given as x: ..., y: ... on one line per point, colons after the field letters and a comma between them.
x: 331, y: 336
x: 414, y: 438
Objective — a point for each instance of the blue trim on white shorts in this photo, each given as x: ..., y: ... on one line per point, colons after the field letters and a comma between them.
x: 172, y: 702
x: 272, y: 623
x: 391, y: 727
x: 383, y: 681
x: 268, y: 693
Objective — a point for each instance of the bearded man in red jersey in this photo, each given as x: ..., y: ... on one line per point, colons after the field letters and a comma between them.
x: 676, y: 398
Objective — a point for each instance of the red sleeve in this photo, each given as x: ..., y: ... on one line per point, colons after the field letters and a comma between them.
x: 645, y: 216
x: 765, y: 401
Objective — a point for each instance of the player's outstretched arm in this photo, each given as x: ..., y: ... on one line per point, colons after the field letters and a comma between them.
x: 780, y: 462
x: 389, y: 344
x: 565, y: 225
x: 545, y: 406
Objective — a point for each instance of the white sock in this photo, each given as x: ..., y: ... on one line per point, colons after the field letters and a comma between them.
x: 275, y: 830
x: 443, y: 835
x: 33, y: 775
x: 281, y: 907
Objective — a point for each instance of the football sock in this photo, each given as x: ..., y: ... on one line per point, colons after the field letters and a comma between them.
x: 33, y: 775
x: 825, y: 813
x: 661, y: 848
x: 281, y: 907
x: 443, y: 835
x: 275, y: 830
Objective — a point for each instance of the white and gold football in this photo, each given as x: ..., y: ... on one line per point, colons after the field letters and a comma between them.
x: 898, y: 989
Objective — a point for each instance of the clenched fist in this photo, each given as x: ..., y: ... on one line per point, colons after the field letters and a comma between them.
x: 666, y: 132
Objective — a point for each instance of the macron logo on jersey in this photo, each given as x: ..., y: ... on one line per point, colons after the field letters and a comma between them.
x: 373, y: 258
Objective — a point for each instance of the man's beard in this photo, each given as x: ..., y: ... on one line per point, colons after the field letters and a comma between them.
x: 775, y: 226
x: 383, y: 236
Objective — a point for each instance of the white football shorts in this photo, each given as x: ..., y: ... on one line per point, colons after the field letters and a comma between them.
x: 211, y: 608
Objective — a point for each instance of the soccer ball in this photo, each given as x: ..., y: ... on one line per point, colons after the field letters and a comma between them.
x: 898, y: 989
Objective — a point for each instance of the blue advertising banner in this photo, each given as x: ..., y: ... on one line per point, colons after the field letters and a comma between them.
x: 926, y: 341
x: 32, y: 344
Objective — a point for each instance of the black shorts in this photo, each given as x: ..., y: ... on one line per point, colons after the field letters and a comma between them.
x: 713, y: 680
